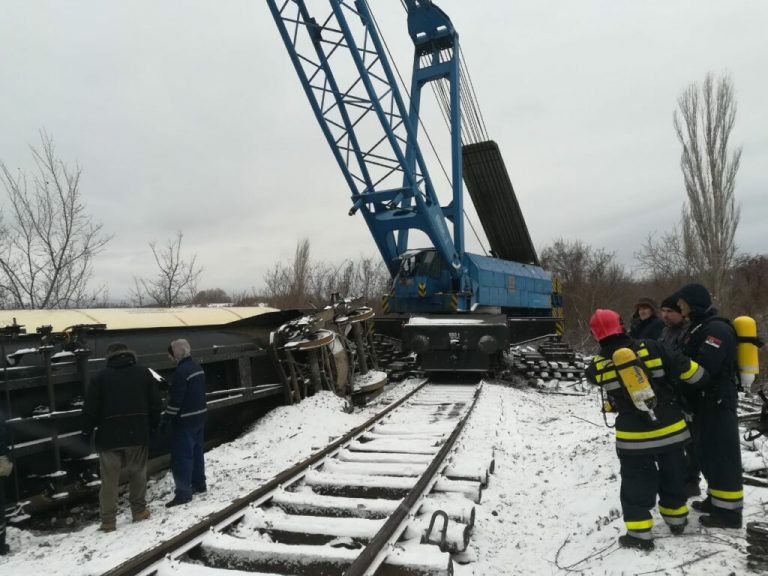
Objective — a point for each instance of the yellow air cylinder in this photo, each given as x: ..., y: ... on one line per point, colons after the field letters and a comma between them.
x: 746, y: 350
x: 635, y: 380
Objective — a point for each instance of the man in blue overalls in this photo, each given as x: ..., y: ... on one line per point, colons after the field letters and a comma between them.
x: 186, y: 413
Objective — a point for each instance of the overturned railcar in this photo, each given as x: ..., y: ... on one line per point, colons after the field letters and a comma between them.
x: 46, y: 372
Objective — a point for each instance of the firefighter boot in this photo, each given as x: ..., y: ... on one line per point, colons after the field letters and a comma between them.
x: 703, y: 506
x: 678, y: 529
x: 627, y: 541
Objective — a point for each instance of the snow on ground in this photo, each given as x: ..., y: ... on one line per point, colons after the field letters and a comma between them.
x: 552, y: 507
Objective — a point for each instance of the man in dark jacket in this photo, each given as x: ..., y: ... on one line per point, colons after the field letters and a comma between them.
x: 6, y: 467
x: 675, y: 330
x: 675, y: 325
x: 649, y: 441
x: 123, y: 404
x: 645, y: 322
x: 711, y: 342
x: 186, y: 412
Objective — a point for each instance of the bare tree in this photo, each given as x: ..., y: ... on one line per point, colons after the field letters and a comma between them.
x: 591, y: 279
x: 176, y: 279
x: 703, y: 123
x: 303, y: 283
x: 301, y: 270
x: 50, y: 241
x: 665, y: 257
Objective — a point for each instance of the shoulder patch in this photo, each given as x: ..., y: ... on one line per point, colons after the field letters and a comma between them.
x: 712, y: 341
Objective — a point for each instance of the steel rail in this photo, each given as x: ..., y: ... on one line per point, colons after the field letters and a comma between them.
x: 147, y: 559
x: 374, y: 554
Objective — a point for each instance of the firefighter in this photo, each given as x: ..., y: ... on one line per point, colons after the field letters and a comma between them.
x: 711, y: 342
x: 650, y: 432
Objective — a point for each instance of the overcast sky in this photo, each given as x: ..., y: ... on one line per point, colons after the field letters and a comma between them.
x: 188, y: 115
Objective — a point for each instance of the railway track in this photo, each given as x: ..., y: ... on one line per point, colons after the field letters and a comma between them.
x: 392, y: 497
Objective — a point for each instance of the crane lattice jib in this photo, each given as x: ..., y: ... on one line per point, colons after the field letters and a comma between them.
x: 347, y: 77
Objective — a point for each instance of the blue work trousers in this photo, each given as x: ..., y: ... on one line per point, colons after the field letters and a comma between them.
x: 187, y: 464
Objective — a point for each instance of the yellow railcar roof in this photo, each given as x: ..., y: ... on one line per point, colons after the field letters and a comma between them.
x: 128, y: 318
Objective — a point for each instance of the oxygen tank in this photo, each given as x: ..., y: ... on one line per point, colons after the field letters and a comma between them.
x: 746, y: 350
x: 635, y: 380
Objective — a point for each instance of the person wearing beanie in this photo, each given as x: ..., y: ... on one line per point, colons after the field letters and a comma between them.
x: 185, y: 412
x: 675, y: 330
x: 645, y: 322
x: 123, y: 401
x: 711, y: 342
x: 675, y: 325
x: 650, y: 448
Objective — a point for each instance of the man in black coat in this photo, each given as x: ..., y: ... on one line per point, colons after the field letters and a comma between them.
x: 123, y: 403
x: 711, y: 342
x: 675, y: 330
x: 645, y: 322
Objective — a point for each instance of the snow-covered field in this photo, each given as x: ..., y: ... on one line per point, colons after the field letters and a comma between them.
x: 552, y: 506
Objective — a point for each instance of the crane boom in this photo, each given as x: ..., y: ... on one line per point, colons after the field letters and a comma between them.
x: 343, y: 67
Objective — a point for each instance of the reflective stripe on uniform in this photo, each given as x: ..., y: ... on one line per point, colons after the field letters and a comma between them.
x: 679, y: 425
x: 727, y: 505
x: 653, y: 362
x: 693, y: 374
x: 658, y: 373
x: 198, y: 373
x: 648, y: 444
x: 613, y: 385
x: 681, y: 511
x: 610, y: 375
x: 726, y: 495
x: 727, y: 500
x: 643, y: 351
x: 639, y: 524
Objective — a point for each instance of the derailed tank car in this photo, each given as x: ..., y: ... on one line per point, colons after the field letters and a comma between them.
x: 46, y: 372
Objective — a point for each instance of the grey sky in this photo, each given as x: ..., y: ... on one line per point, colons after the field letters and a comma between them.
x: 187, y: 115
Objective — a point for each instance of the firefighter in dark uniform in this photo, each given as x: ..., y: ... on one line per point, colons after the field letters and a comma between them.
x: 711, y: 342
x: 649, y: 443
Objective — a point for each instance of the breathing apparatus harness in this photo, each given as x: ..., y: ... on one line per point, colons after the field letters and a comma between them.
x: 636, y: 383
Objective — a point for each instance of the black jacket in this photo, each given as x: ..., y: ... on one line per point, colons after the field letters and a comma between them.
x: 672, y: 336
x: 650, y: 328
x: 711, y: 342
x: 123, y: 401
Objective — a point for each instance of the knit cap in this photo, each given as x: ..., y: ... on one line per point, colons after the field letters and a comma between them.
x: 671, y: 303
x: 697, y: 297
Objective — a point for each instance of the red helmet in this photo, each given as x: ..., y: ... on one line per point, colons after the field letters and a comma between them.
x: 605, y: 323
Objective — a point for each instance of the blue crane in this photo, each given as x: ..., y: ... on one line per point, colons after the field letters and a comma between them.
x: 343, y: 65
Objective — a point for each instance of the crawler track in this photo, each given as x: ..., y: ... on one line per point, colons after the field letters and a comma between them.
x: 389, y: 498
